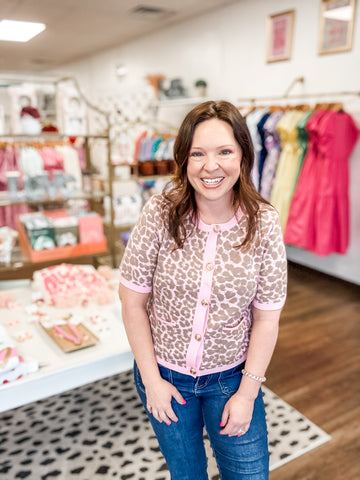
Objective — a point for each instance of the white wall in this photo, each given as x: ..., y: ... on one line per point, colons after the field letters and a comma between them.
x: 227, y: 47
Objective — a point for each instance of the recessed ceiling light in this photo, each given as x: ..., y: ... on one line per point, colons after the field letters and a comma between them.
x: 16, y: 31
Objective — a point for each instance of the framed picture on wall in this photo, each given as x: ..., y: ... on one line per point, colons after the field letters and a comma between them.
x: 279, y: 35
x: 336, y: 25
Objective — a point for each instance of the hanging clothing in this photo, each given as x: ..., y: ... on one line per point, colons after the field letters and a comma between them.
x: 10, y: 161
x: 303, y: 139
x: 319, y: 213
x: 71, y: 163
x: 273, y: 147
x: 299, y: 229
x: 252, y: 120
x: 288, y: 164
x: 332, y: 222
x: 263, y: 151
x: 31, y: 161
x: 52, y: 160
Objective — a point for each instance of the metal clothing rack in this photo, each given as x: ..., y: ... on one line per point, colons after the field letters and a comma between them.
x: 286, y: 95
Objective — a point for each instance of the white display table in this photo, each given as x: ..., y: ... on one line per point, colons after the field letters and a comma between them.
x: 61, y: 371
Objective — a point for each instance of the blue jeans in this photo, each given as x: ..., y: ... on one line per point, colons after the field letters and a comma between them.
x: 238, y: 458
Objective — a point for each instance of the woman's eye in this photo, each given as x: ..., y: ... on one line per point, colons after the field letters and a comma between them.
x: 195, y: 154
x: 226, y: 151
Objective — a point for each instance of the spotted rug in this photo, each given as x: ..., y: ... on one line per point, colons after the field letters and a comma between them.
x: 100, y: 431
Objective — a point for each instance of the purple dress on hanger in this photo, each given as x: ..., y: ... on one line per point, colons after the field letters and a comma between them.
x: 273, y: 147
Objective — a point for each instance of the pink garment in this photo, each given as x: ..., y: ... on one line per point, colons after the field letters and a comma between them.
x: 52, y: 160
x: 9, y: 161
x: 332, y: 223
x: 319, y: 212
x: 82, y: 157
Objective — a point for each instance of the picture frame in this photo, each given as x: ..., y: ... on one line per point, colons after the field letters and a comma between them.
x: 279, y: 36
x: 336, y: 26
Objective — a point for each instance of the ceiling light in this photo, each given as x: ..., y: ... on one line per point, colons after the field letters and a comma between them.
x: 15, y: 31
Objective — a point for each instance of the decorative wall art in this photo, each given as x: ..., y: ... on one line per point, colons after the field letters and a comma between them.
x: 279, y: 34
x: 336, y: 25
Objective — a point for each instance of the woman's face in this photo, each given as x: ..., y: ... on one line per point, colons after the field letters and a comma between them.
x: 214, y: 161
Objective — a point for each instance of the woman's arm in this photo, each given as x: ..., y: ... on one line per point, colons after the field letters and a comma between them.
x: 158, y: 391
x: 238, y: 410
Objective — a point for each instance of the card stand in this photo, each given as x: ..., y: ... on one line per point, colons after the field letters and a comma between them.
x: 58, y: 253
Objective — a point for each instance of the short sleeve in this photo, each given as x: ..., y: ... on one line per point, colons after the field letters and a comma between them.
x: 140, y: 257
x: 272, y: 280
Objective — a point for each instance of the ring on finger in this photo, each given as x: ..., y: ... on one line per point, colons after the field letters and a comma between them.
x: 242, y: 431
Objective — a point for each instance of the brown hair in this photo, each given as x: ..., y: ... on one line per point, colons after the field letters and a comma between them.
x: 180, y: 199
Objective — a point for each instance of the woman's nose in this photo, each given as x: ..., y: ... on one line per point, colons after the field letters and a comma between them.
x: 211, y: 163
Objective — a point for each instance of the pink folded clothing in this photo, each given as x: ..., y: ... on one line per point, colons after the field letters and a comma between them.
x: 67, y: 285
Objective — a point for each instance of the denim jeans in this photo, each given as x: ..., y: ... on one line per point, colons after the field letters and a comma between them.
x: 241, y: 458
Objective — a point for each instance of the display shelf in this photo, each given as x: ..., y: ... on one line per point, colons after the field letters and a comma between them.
x: 61, y: 371
x: 22, y: 267
x: 48, y: 136
x: 141, y: 178
x: 179, y: 102
x: 95, y: 198
x: 6, y: 201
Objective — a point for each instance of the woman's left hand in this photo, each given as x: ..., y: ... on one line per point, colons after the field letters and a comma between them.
x: 237, y: 415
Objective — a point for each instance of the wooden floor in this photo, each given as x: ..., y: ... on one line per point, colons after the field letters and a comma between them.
x: 316, y: 369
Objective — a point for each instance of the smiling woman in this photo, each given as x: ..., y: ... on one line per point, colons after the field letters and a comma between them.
x: 206, y: 254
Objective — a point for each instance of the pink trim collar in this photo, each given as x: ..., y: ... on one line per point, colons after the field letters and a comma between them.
x: 220, y: 227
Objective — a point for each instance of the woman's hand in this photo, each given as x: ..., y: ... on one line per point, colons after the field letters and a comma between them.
x: 237, y: 415
x: 158, y: 400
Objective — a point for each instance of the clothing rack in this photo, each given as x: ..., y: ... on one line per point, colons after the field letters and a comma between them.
x: 287, y: 96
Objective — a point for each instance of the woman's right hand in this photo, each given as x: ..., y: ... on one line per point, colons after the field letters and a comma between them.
x: 158, y: 400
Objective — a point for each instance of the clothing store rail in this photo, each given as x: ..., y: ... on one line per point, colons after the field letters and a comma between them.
x: 271, y: 98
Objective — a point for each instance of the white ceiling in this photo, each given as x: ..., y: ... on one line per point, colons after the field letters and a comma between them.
x: 78, y: 28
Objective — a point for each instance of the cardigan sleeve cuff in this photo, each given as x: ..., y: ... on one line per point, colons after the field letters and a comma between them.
x: 133, y: 286
x: 269, y: 306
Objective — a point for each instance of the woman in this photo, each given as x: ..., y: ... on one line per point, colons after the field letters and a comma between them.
x: 202, y: 284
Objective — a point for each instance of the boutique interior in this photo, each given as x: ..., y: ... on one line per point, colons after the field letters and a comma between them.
x: 90, y: 108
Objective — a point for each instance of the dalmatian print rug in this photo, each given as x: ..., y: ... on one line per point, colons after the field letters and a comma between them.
x: 100, y: 431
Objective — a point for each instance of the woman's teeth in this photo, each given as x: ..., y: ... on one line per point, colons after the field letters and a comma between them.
x: 212, y: 181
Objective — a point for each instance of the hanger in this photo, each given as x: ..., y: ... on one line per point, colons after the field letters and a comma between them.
x: 303, y: 107
x: 337, y: 107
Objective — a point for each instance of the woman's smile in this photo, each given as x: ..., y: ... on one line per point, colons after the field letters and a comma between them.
x: 212, y: 181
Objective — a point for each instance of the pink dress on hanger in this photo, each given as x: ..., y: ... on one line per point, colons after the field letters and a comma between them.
x: 332, y: 194
x: 319, y: 212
